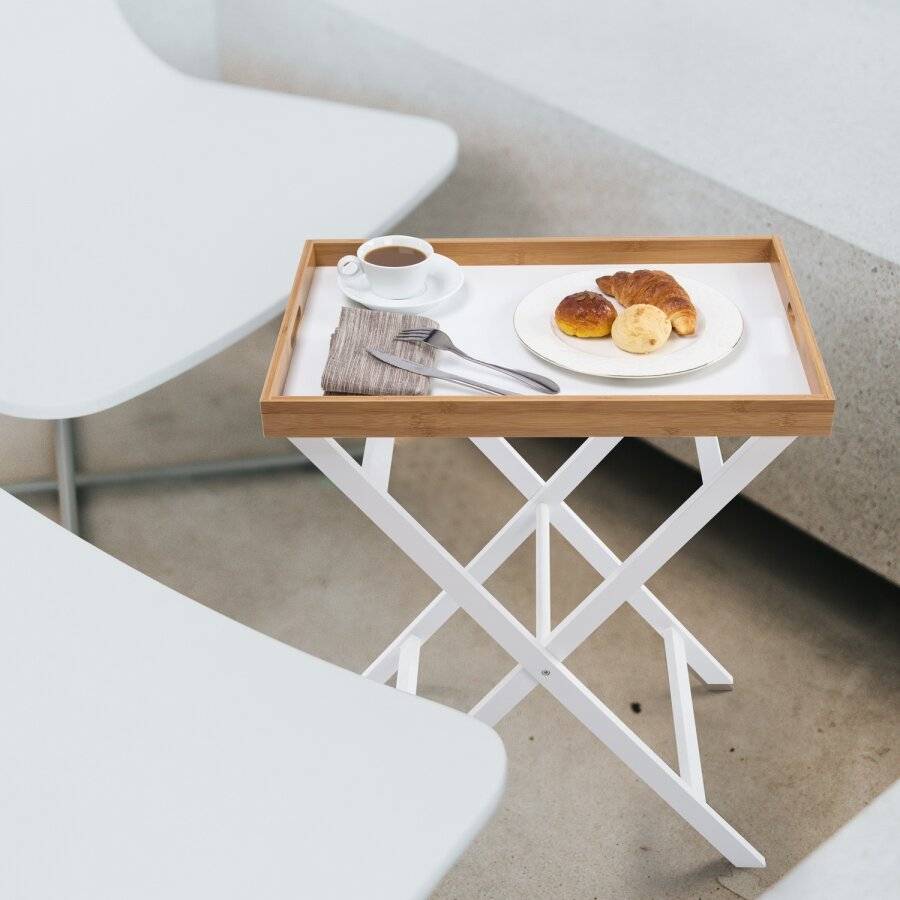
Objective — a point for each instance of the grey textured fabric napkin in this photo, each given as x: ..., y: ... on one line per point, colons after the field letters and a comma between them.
x: 351, y: 370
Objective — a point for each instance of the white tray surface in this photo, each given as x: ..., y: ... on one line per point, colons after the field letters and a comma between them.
x: 480, y: 321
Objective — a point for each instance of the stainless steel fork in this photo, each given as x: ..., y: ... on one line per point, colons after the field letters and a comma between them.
x: 441, y: 340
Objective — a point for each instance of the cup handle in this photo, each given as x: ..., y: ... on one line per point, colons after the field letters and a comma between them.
x: 349, y: 269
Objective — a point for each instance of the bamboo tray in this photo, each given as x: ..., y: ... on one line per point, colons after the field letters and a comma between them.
x: 787, y: 395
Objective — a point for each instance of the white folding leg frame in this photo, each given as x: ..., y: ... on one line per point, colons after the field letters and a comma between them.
x: 540, y: 656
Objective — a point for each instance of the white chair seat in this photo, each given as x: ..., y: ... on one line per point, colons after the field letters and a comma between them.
x: 153, y: 748
x: 861, y: 860
x: 150, y: 219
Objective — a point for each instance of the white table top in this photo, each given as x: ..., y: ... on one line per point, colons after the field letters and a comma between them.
x: 862, y: 860
x: 153, y: 748
x: 149, y: 219
x: 740, y: 92
x: 480, y: 321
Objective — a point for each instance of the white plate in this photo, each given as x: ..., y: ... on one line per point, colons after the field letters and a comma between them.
x: 719, y: 328
x: 444, y: 280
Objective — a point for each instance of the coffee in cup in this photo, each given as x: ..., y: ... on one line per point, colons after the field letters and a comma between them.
x: 394, y: 267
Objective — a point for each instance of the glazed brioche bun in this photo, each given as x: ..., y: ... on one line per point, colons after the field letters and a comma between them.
x: 641, y: 329
x: 586, y: 314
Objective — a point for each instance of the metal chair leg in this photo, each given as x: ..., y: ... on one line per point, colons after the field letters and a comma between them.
x: 65, y: 474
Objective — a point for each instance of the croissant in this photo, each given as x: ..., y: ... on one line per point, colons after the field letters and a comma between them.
x: 656, y: 289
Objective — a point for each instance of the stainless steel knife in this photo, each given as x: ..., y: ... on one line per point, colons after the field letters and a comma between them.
x: 400, y: 363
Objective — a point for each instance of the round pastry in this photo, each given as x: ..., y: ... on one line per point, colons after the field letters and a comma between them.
x: 586, y: 314
x: 641, y: 329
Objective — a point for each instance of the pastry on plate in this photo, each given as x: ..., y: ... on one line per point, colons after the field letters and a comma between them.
x: 641, y: 329
x: 656, y: 288
x: 586, y: 314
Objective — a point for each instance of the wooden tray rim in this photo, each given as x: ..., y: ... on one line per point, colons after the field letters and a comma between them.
x: 569, y: 415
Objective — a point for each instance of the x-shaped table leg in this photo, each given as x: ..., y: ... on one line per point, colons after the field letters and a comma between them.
x: 500, y: 547
x: 729, y: 480
x: 582, y: 538
x: 540, y: 663
x: 523, y: 477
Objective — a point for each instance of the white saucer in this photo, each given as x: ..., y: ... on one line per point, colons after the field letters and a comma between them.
x: 444, y: 280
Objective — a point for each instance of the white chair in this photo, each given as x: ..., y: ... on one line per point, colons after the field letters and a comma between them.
x: 149, y: 219
x: 861, y: 860
x: 153, y: 748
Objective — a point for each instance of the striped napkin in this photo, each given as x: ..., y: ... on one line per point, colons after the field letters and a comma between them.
x: 351, y: 370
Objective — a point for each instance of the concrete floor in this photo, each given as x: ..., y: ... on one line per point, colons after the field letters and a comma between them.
x: 808, y: 737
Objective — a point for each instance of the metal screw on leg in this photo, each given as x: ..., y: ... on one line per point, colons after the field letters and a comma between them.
x: 545, y: 673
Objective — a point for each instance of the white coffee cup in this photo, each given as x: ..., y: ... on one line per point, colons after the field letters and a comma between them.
x: 396, y: 282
